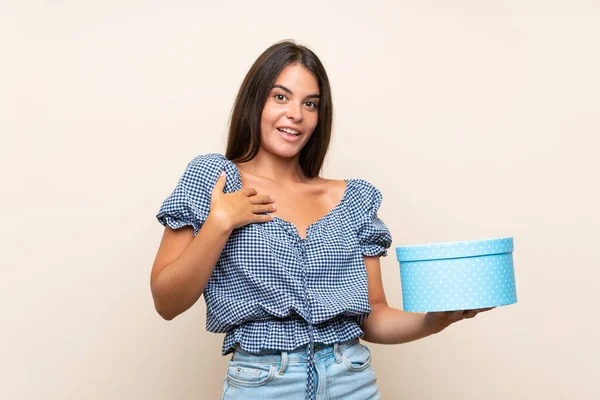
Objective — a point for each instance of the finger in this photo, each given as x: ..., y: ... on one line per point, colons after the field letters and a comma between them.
x: 249, y: 191
x: 263, y: 208
x: 454, y: 315
x: 220, y: 185
x: 261, y: 199
x: 262, y: 218
x: 478, y: 310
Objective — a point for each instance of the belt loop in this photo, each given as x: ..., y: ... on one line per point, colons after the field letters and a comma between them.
x: 336, y: 352
x: 284, y: 362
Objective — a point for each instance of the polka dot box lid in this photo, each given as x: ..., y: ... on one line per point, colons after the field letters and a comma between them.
x: 458, y: 275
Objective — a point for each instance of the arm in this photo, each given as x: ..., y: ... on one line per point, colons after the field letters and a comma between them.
x: 178, y: 278
x: 387, y: 325
x: 184, y: 263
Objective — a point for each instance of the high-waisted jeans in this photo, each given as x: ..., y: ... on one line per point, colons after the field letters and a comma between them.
x: 343, y: 371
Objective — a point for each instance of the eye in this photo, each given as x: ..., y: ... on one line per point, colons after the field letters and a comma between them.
x: 312, y: 104
x: 280, y: 97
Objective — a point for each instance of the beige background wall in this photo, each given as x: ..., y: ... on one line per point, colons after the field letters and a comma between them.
x: 476, y: 119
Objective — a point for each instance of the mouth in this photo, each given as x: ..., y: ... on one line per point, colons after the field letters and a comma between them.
x: 289, y: 131
x: 289, y: 135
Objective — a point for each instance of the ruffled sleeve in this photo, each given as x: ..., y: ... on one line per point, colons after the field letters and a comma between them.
x: 189, y: 203
x: 373, y: 235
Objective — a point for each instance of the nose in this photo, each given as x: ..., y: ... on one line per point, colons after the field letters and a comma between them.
x: 294, y: 112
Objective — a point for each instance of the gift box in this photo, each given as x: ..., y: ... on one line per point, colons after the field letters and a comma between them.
x: 457, y: 275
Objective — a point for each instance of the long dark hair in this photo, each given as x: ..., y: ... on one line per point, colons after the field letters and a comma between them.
x: 243, y: 141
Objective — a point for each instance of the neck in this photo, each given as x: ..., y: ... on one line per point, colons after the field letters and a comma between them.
x: 275, y: 168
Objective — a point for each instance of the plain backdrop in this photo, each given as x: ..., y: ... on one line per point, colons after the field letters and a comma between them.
x: 475, y: 119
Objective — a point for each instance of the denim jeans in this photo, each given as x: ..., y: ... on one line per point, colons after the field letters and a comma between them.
x: 343, y: 371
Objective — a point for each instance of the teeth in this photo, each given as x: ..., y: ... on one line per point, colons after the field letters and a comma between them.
x: 290, y: 131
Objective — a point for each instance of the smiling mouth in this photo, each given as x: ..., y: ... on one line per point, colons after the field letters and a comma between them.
x: 289, y: 131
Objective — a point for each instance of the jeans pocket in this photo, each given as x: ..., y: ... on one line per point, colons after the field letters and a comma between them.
x: 243, y: 374
x: 356, y: 357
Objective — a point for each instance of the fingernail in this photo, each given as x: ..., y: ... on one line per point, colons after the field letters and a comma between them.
x: 222, y: 173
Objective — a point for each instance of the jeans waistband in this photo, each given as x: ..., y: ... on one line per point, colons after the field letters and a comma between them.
x: 268, y: 356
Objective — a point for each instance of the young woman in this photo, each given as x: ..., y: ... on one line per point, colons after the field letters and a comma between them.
x: 287, y: 261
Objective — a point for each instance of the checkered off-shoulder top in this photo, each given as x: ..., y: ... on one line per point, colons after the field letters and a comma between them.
x: 270, y: 288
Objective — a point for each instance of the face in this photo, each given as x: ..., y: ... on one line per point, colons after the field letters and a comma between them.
x: 292, y: 105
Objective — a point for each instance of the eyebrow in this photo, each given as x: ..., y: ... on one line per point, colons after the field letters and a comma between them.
x: 311, y: 96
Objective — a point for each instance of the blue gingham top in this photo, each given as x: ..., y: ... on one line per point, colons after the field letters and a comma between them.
x: 270, y: 288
